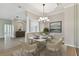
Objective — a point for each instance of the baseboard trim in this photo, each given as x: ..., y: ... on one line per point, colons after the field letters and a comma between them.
x: 72, y: 46
x: 69, y: 45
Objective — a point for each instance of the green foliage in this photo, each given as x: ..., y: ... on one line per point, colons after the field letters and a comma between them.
x: 45, y: 30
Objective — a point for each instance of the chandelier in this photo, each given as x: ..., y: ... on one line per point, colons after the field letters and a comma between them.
x: 43, y: 18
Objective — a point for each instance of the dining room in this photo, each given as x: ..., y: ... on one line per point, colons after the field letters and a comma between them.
x: 39, y: 30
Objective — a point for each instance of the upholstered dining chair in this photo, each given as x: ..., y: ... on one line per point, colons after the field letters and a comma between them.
x: 54, y: 45
x: 25, y: 49
x: 29, y: 49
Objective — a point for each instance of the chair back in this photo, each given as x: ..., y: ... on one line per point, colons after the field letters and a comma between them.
x: 55, y: 44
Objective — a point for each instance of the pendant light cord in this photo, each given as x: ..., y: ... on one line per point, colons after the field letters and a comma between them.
x: 43, y: 18
x: 43, y: 9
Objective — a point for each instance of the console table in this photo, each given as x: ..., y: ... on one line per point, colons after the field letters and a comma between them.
x: 20, y: 34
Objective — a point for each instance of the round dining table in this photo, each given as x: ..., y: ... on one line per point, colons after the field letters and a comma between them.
x: 40, y: 40
x: 41, y: 43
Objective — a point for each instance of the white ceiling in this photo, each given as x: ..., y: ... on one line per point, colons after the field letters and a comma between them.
x: 11, y: 10
x: 38, y: 7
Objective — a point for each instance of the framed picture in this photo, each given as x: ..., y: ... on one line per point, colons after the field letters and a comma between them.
x: 56, y: 27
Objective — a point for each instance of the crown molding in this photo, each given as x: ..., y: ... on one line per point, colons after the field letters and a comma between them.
x: 56, y: 12
x: 61, y: 10
x: 70, y: 5
x: 31, y: 15
x: 33, y: 12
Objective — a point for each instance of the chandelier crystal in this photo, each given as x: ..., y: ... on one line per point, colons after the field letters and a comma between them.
x: 43, y: 18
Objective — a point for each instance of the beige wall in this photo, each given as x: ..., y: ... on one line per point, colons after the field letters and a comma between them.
x: 53, y: 18
x: 69, y: 28
x: 1, y: 28
x: 58, y: 17
x: 68, y: 25
x: 77, y: 24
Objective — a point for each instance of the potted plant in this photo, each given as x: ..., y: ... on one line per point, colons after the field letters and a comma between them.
x: 45, y: 30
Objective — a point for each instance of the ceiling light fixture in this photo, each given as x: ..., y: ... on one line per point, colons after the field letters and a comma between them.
x: 43, y: 18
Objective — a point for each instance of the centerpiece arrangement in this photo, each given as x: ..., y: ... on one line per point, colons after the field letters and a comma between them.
x: 46, y: 31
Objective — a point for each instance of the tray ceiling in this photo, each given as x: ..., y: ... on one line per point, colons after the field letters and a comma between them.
x: 11, y: 10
